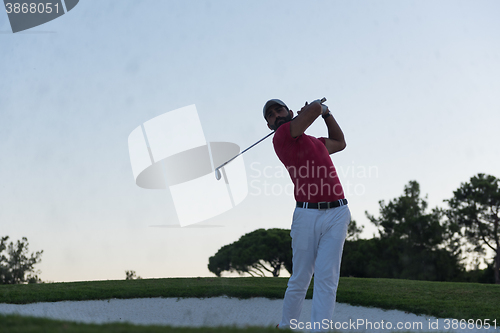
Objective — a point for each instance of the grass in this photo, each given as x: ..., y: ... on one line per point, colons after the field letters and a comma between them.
x: 173, y: 287
x: 18, y: 324
x: 439, y: 299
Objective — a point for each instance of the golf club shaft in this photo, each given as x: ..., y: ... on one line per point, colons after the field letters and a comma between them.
x: 321, y: 101
x: 246, y: 150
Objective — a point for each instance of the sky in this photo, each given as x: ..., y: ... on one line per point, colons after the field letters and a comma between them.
x: 413, y: 85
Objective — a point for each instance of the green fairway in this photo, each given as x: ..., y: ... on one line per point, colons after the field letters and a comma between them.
x: 439, y: 299
x: 17, y: 324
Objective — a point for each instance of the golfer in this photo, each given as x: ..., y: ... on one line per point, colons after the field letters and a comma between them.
x: 321, y: 216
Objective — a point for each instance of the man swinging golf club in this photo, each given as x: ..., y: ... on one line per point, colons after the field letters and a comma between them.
x: 321, y: 216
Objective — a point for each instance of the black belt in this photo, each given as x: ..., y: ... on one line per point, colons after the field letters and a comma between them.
x: 322, y: 205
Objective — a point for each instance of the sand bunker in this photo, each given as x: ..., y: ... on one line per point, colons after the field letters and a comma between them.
x: 225, y: 311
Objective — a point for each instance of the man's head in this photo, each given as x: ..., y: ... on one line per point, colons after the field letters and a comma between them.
x: 276, y: 113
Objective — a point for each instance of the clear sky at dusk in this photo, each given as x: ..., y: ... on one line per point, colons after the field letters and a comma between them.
x: 414, y: 86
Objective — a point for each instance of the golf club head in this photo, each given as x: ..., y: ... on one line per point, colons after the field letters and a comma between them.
x: 217, y: 174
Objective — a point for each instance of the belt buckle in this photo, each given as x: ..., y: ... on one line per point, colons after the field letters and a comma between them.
x: 323, y: 202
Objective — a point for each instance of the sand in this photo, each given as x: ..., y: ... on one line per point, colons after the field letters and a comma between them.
x: 225, y: 311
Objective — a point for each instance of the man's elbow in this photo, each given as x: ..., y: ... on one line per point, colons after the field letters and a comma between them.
x: 341, y: 145
x: 338, y: 146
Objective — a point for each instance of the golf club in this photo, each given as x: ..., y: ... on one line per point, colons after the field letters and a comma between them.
x: 218, y: 174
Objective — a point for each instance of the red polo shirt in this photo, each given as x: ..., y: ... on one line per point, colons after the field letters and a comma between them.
x: 309, y: 166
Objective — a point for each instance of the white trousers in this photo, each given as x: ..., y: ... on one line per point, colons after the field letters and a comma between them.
x: 317, y: 242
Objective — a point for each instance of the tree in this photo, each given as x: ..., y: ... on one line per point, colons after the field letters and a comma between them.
x: 353, y: 232
x: 406, y: 218
x: 412, y: 243
x: 16, y: 266
x: 255, y: 253
x: 131, y: 275
x: 474, y: 209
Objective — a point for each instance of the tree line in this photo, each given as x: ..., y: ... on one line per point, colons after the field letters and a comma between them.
x: 16, y: 264
x: 413, y: 241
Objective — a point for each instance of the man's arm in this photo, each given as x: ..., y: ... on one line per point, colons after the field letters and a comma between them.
x: 335, y: 141
x: 306, y: 116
